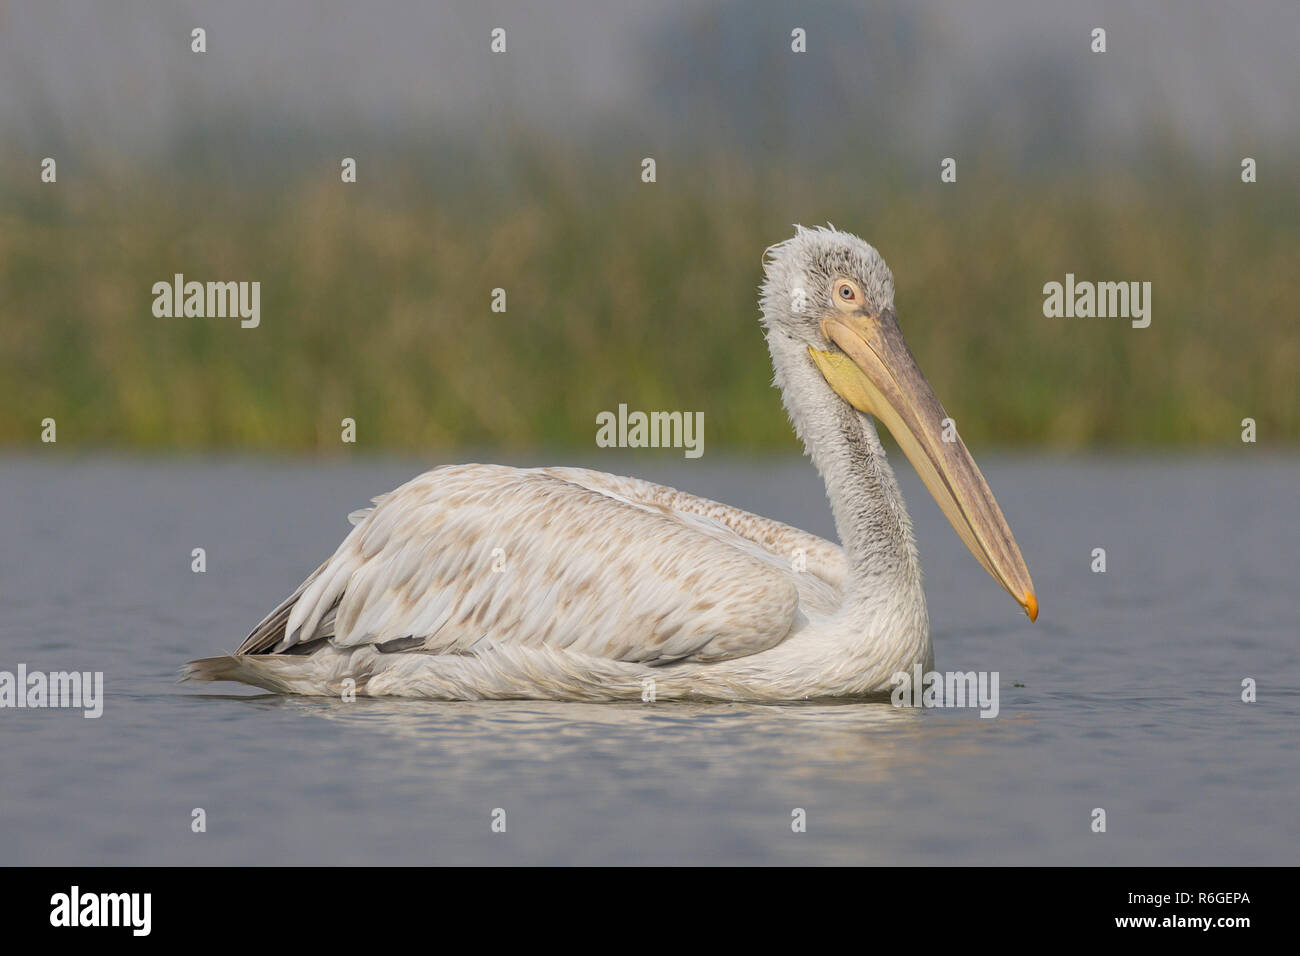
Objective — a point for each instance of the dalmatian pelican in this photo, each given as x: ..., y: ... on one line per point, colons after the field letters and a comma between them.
x: 486, y: 582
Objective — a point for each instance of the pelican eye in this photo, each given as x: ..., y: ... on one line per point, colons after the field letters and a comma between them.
x: 846, y: 292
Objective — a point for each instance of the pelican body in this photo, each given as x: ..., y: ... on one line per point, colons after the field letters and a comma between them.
x: 486, y: 582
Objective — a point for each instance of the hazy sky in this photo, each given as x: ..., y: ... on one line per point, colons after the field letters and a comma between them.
x: 121, y: 74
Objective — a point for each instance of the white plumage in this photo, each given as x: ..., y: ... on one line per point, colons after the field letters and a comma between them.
x: 482, y: 581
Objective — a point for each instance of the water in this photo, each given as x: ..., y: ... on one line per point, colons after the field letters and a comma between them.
x: 1125, y: 695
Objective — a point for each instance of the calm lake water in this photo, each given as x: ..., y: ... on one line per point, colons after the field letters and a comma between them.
x: 1126, y: 695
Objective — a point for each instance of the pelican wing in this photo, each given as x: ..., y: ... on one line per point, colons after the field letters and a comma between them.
x: 823, y: 561
x: 561, y: 558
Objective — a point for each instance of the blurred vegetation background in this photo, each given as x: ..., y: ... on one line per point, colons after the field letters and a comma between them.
x: 376, y: 296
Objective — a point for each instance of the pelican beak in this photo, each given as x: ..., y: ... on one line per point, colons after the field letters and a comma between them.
x: 874, y: 371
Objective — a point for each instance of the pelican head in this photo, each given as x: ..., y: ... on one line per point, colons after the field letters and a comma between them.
x: 831, y: 294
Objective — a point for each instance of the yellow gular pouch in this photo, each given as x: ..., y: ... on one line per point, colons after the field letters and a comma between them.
x: 847, y: 379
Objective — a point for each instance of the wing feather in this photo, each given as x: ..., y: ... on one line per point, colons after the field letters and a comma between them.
x: 471, y: 553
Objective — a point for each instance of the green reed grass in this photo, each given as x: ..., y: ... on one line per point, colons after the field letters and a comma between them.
x: 375, y: 305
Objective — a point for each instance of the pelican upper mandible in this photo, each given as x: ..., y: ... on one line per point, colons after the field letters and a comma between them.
x: 481, y: 581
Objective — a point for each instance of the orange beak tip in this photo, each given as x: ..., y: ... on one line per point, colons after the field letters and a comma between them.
x: 1031, y: 606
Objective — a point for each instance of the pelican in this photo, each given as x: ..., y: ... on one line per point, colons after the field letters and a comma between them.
x: 486, y: 582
